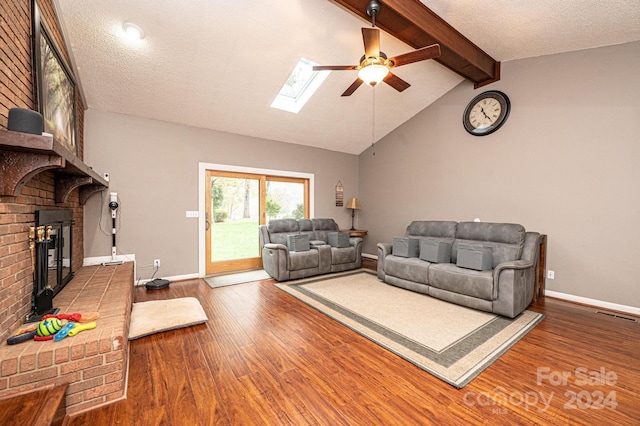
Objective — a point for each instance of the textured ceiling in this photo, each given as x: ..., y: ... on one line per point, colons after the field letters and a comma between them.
x: 219, y: 64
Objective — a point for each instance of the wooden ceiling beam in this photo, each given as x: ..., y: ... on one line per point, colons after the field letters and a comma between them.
x: 418, y: 26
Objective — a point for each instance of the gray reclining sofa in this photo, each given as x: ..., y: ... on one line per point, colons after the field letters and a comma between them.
x: 506, y: 287
x: 283, y: 264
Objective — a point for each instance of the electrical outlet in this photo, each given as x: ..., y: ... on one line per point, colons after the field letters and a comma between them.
x: 551, y: 274
x: 156, y: 263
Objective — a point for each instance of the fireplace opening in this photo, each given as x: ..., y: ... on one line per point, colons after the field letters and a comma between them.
x: 51, y: 245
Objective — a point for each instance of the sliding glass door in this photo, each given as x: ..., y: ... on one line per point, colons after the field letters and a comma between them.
x: 236, y: 204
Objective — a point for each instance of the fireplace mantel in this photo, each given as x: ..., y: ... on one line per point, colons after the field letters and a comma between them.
x: 24, y: 155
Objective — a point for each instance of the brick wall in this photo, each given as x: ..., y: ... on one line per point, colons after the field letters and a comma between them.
x: 17, y: 213
x: 95, y: 362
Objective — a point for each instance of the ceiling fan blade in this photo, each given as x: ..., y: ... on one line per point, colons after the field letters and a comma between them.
x: 396, y: 82
x: 334, y: 67
x: 422, y: 54
x: 371, y: 38
x: 352, y: 88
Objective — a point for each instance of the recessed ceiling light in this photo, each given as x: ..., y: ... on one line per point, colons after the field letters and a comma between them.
x: 133, y: 31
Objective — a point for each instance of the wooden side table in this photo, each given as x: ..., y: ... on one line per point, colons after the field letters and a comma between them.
x: 540, y: 269
x: 356, y: 233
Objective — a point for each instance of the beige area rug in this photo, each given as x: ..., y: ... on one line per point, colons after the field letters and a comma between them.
x: 162, y: 315
x: 240, y: 278
x: 451, y: 342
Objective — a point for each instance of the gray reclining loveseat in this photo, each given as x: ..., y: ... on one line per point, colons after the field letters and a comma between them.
x: 505, y: 287
x: 321, y: 258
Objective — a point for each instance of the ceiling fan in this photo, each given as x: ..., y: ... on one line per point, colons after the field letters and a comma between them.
x: 374, y: 65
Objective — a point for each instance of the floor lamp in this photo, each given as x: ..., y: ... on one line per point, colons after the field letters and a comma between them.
x: 354, y: 205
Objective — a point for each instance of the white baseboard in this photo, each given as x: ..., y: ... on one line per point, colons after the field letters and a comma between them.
x: 593, y: 302
x: 98, y: 260
x: 172, y: 278
x: 370, y: 256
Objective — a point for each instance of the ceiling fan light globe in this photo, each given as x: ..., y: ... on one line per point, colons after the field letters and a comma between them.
x: 373, y: 74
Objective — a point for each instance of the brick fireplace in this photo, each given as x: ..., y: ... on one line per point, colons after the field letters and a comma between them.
x: 94, y: 362
x: 17, y: 210
x: 36, y: 174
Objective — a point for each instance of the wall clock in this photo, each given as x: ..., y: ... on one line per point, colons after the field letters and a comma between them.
x: 486, y: 113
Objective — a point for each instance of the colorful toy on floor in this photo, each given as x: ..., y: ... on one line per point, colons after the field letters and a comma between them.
x: 76, y: 317
x: 89, y: 317
x: 48, y: 327
x: 56, y: 327
x: 81, y: 327
x: 42, y: 338
x: 64, y: 331
x: 22, y: 335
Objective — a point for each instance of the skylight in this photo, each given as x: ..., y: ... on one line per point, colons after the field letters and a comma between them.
x: 299, y: 87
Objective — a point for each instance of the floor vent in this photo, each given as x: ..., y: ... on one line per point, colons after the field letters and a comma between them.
x: 619, y: 316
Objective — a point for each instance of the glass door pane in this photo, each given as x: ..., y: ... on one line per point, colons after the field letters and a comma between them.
x: 233, y: 216
x: 286, y: 199
x: 236, y: 205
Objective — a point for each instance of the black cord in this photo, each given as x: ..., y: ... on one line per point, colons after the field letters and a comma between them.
x: 154, y: 273
x: 101, y: 211
x: 118, y: 222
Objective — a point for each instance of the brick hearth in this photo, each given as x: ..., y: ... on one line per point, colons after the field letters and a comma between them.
x: 94, y: 362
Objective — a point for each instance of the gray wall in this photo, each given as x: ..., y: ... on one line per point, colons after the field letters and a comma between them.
x: 153, y: 166
x: 566, y: 163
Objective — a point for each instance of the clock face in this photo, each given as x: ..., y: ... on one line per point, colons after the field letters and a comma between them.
x: 486, y: 113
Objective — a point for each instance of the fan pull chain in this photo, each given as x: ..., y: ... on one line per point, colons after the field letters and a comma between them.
x: 373, y: 121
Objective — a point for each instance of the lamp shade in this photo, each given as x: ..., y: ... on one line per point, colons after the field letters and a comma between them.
x: 373, y: 74
x: 353, y: 204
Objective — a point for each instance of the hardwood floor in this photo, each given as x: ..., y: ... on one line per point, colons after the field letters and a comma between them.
x: 265, y: 358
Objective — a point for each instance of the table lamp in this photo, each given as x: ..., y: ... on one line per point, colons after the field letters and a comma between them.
x: 354, y: 205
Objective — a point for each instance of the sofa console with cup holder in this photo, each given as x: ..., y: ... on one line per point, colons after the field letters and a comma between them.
x: 485, y: 266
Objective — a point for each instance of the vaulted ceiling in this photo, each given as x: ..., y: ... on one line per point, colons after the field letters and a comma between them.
x: 219, y: 64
